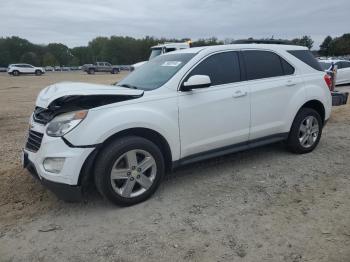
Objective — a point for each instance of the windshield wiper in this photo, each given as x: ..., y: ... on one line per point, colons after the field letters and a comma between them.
x: 128, y: 86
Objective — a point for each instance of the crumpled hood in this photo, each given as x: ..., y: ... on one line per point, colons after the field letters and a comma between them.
x: 55, y: 91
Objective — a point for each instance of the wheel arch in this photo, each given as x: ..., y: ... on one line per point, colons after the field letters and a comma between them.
x: 149, y: 134
x: 317, y: 106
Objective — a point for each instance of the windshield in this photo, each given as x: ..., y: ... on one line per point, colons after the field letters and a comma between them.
x: 155, y: 52
x: 325, y: 65
x: 156, y: 72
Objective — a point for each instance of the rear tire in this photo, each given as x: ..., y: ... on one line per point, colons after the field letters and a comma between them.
x: 91, y: 71
x: 306, y: 131
x: 15, y: 73
x: 129, y: 170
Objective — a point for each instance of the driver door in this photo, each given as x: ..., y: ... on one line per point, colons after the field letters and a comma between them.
x: 216, y: 117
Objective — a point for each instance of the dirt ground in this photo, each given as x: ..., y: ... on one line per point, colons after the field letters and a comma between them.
x: 261, y: 205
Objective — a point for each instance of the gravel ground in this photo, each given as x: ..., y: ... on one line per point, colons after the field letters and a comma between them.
x: 264, y: 204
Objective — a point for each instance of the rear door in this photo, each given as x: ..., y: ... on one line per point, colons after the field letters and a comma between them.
x: 272, y: 83
x: 217, y: 116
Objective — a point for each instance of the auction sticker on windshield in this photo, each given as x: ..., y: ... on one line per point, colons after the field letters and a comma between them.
x: 172, y: 63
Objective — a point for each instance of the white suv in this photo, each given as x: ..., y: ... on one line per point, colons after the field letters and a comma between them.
x: 18, y: 69
x: 179, y: 108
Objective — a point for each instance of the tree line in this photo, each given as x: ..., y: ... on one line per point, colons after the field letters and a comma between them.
x: 337, y: 46
x: 121, y: 50
x: 115, y: 49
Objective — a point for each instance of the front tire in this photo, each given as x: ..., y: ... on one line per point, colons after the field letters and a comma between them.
x: 306, y: 131
x: 91, y: 71
x: 129, y: 170
x: 38, y: 73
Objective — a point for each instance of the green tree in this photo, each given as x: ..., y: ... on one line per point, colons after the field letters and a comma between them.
x: 340, y: 45
x: 97, y: 47
x: 61, y: 53
x: 325, y: 46
x: 207, y: 42
x: 30, y: 58
x: 49, y: 60
x: 304, y: 41
x: 83, y: 54
x: 5, y: 58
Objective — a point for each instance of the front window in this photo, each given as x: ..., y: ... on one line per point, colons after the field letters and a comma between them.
x: 222, y: 68
x: 156, y: 72
x: 155, y: 52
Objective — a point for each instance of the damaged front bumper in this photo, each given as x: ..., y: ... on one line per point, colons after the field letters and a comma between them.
x: 63, y: 179
x: 62, y: 191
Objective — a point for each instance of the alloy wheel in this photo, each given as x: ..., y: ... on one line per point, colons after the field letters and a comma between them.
x: 309, y: 131
x: 133, y: 173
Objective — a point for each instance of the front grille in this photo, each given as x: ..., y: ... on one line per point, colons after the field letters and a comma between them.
x: 34, y: 140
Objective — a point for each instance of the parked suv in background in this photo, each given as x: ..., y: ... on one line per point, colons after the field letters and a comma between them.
x: 18, y: 69
x: 177, y: 109
x: 100, y: 67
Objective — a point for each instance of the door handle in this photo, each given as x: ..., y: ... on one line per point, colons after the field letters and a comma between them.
x: 290, y: 83
x: 239, y: 93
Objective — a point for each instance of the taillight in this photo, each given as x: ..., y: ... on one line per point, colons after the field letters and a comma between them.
x: 328, y: 81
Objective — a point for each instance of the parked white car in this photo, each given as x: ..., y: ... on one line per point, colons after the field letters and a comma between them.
x: 177, y: 109
x: 23, y: 69
x: 343, y: 70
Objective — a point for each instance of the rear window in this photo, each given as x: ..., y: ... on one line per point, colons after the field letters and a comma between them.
x: 265, y: 64
x: 307, y: 57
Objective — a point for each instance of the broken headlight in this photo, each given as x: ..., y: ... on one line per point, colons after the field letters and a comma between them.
x: 64, y: 123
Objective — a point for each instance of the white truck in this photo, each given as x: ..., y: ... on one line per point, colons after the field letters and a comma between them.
x: 162, y: 49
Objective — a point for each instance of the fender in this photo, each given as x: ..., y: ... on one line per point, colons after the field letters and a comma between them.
x: 102, y: 123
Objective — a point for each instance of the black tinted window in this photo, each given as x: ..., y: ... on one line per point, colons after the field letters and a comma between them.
x: 346, y: 64
x: 263, y: 64
x: 307, y: 57
x: 339, y: 65
x: 287, y: 68
x: 222, y: 68
x: 170, y: 50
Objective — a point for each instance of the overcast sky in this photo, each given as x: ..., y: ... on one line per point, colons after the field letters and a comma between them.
x: 76, y: 22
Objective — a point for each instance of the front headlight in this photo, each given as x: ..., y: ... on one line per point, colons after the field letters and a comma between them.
x: 64, y: 123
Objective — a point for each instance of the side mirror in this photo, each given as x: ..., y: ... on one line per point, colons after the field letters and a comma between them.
x: 196, y: 81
